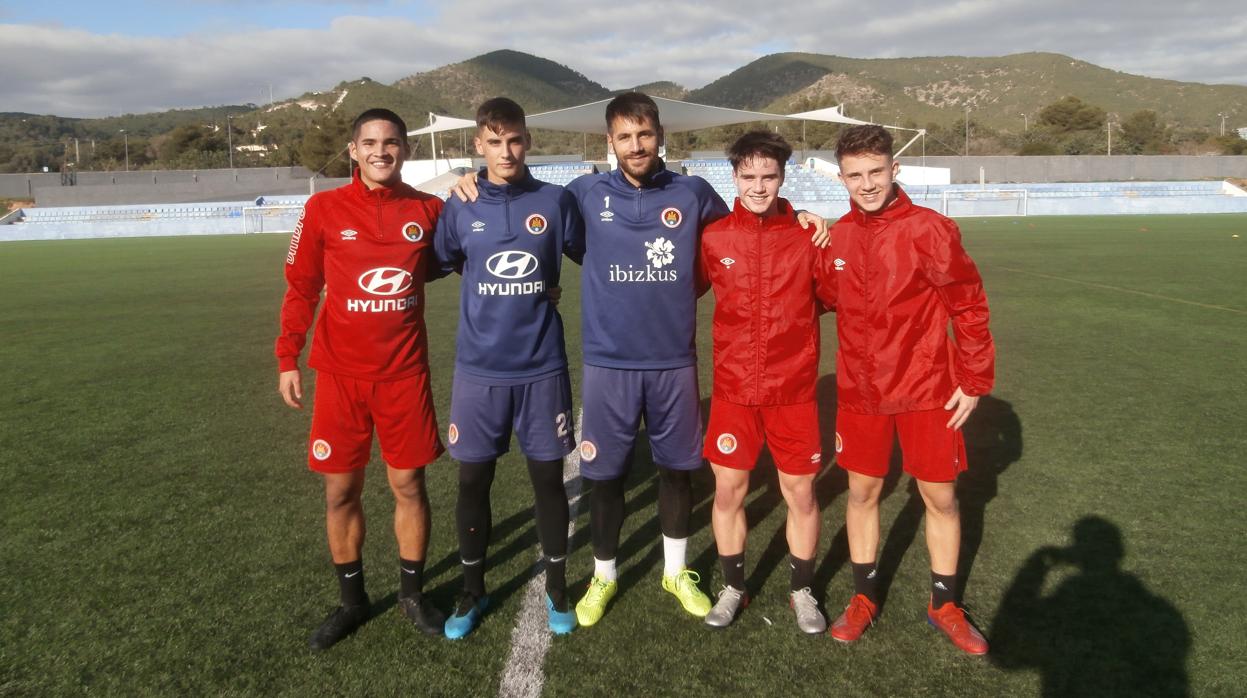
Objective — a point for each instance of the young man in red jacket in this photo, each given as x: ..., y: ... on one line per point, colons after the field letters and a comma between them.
x: 901, y: 276
x: 368, y: 246
x: 760, y: 263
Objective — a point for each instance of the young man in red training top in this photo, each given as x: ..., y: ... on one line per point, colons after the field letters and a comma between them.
x: 368, y: 246
x: 901, y: 276
x: 766, y: 339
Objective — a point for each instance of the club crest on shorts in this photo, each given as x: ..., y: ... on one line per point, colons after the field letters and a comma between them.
x: 452, y: 434
x: 726, y: 443
x: 321, y: 449
x: 535, y: 224
x: 839, y: 443
x: 588, y: 451
x: 671, y: 217
x: 413, y: 232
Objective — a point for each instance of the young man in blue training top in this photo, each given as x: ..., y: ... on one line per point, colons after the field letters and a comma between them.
x: 510, y: 360
x: 639, y: 323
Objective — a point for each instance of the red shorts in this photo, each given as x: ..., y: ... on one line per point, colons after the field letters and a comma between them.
x: 735, y: 434
x: 345, y: 410
x: 933, y: 452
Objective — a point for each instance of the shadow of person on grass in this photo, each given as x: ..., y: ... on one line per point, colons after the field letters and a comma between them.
x: 1100, y: 632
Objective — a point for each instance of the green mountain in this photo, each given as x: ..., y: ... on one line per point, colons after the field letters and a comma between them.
x: 915, y: 91
x: 998, y: 90
x: 536, y: 83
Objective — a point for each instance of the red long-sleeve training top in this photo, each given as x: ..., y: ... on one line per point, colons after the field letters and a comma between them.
x: 766, y: 334
x: 370, y: 250
x: 901, y: 275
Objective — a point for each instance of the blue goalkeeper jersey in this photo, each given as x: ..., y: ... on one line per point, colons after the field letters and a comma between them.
x: 638, y: 291
x: 508, y: 245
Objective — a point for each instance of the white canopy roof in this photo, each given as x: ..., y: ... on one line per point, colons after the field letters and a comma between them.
x: 676, y: 116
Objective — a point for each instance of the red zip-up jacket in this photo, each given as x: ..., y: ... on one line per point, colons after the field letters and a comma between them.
x: 900, y: 276
x: 766, y: 333
x: 370, y: 250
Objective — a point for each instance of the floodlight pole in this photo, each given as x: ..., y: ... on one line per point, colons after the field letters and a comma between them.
x: 1222, y: 115
x: 229, y: 136
x: 967, y: 131
x: 1109, y: 122
x: 1025, y: 123
x: 126, y: 137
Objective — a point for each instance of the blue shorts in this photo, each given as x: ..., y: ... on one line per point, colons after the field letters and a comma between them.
x: 482, y: 416
x: 614, y: 402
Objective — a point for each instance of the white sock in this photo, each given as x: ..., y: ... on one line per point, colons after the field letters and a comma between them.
x: 673, y: 553
x: 605, y: 569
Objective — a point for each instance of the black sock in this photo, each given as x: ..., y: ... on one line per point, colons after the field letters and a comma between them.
x: 351, y: 583
x: 943, y: 589
x: 410, y: 577
x: 606, y: 515
x: 866, y: 580
x: 733, y: 567
x: 474, y: 519
x: 802, y: 573
x: 552, y: 515
x: 675, y: 501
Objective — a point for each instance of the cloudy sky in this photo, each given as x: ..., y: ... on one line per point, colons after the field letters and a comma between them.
x: 94, y: 58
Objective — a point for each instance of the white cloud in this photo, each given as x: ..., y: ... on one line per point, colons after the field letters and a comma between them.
x: 72, y: 72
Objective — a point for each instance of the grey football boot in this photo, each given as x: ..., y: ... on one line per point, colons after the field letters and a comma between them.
x: 809, y: 619
x: 731, y: 602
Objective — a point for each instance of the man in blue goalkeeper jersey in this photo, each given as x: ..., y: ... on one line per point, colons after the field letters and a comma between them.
x: 510, y: 361
x: 638, y: 303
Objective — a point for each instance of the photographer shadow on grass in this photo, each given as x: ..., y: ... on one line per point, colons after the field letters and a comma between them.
x: 1099, y: 632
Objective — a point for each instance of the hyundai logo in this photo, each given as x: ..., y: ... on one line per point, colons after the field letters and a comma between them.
x: 385, y: 281
x: 512, y: 264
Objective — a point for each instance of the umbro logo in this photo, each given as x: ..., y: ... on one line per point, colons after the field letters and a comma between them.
x: 839, y: 264
x: 478, y: 226
x: 727, y: 262
x: 349, y: 234
x: 607, y: 216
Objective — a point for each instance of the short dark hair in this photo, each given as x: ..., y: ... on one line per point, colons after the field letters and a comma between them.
x: 759, y: 144
x: 632, y: 106
x: 498, y: 113
x: 867, y: 138
x: 378, y: 114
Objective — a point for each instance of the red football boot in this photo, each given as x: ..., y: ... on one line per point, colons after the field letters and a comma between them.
x: 951, y: 620
x: 858, y: 615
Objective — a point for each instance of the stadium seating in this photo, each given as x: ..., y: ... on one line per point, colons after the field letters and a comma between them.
x: 804, y: 186
x: 561, y: 173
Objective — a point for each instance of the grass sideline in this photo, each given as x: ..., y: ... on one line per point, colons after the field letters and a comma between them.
x: 162, y: 535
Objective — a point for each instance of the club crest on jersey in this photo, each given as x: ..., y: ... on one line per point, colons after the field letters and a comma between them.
x: 839, y: 443
x: 671, y: 217
x: 726, y: 443
x: 348, y: 234
x: 727, y: 262
x: 588, y: 451
x: 413, y: 232
x: 535, y: 224
x: 321, y: 449
x: 452, y: 434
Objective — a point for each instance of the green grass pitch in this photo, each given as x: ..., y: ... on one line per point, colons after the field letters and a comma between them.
x: 161, y: 534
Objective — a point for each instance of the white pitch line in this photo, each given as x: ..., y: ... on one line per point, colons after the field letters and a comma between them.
x: 523, y: 676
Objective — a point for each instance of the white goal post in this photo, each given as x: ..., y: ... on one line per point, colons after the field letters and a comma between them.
x: 983, y: 202
x: 278, y: 218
